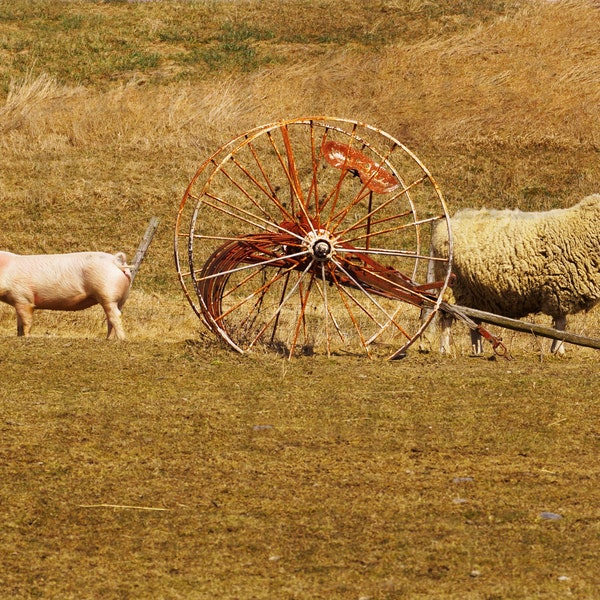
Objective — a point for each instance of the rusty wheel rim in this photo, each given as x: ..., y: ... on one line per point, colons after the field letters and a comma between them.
x: 311, y: 235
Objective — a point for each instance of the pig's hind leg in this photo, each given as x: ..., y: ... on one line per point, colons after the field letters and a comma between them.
x: 113, y: 321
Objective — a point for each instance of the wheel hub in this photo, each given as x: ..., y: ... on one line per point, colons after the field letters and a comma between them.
x: 320, y: 244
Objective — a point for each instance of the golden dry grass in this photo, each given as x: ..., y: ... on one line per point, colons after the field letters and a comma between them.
x: 503, y: 113
x: 320, y: 477
x: 182, y: 471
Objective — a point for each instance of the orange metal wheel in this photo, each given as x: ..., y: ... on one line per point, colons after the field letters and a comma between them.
x: 311, y: 235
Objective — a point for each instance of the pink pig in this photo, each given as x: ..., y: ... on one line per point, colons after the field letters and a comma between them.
x: 65, y: 282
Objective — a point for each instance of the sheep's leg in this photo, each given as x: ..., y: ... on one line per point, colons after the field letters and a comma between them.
x: 24, y: 319
x: 113, y: 321
x: 476, y: 343
x: 424, y: 343
x: 425, y: 339
x: 446, y: 321
x: 558, y: 346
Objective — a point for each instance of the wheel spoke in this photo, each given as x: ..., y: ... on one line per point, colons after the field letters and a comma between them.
x: 270, y: 193
x: 251, y: 266
x: 336, y: 192
x: 369, y: 296
x: 301, y: 320
x: 368, y: 223
x: 382, y: 206
x: 313, y: 190
x: 345, y: 295
x: 289, y: 170
x: 283, y: 303
x: 262, y: 224
x: 259, y: 294
x: 282, y: 296
x: 401, y: 227
x: 325, y: 309
x: 390, y: 318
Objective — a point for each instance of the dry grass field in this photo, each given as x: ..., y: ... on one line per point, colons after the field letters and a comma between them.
x: 168, y: 466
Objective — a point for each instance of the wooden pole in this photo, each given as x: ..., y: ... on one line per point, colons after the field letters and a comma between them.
x: 515, y: 324
x: 143, y: 247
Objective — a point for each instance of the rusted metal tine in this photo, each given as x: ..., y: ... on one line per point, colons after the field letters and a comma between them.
x: 365, y: 272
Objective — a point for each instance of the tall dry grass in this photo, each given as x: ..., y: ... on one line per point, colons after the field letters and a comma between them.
x: 528, y: 78
x: 504, y: 114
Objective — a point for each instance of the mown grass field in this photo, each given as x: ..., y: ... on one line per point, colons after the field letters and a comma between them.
x: 168, y: 466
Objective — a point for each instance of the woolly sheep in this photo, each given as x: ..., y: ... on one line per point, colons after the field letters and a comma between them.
x: 515, y: 263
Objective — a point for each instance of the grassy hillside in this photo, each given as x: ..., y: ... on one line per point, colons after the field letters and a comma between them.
x: 97, y: 43
x: 499, y: 101
x: 169, y: 467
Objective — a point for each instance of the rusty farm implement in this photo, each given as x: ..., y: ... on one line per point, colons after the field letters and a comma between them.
x: 312, y: 235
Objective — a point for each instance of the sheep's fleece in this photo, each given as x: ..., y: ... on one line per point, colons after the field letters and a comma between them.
x: 515, y: 263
